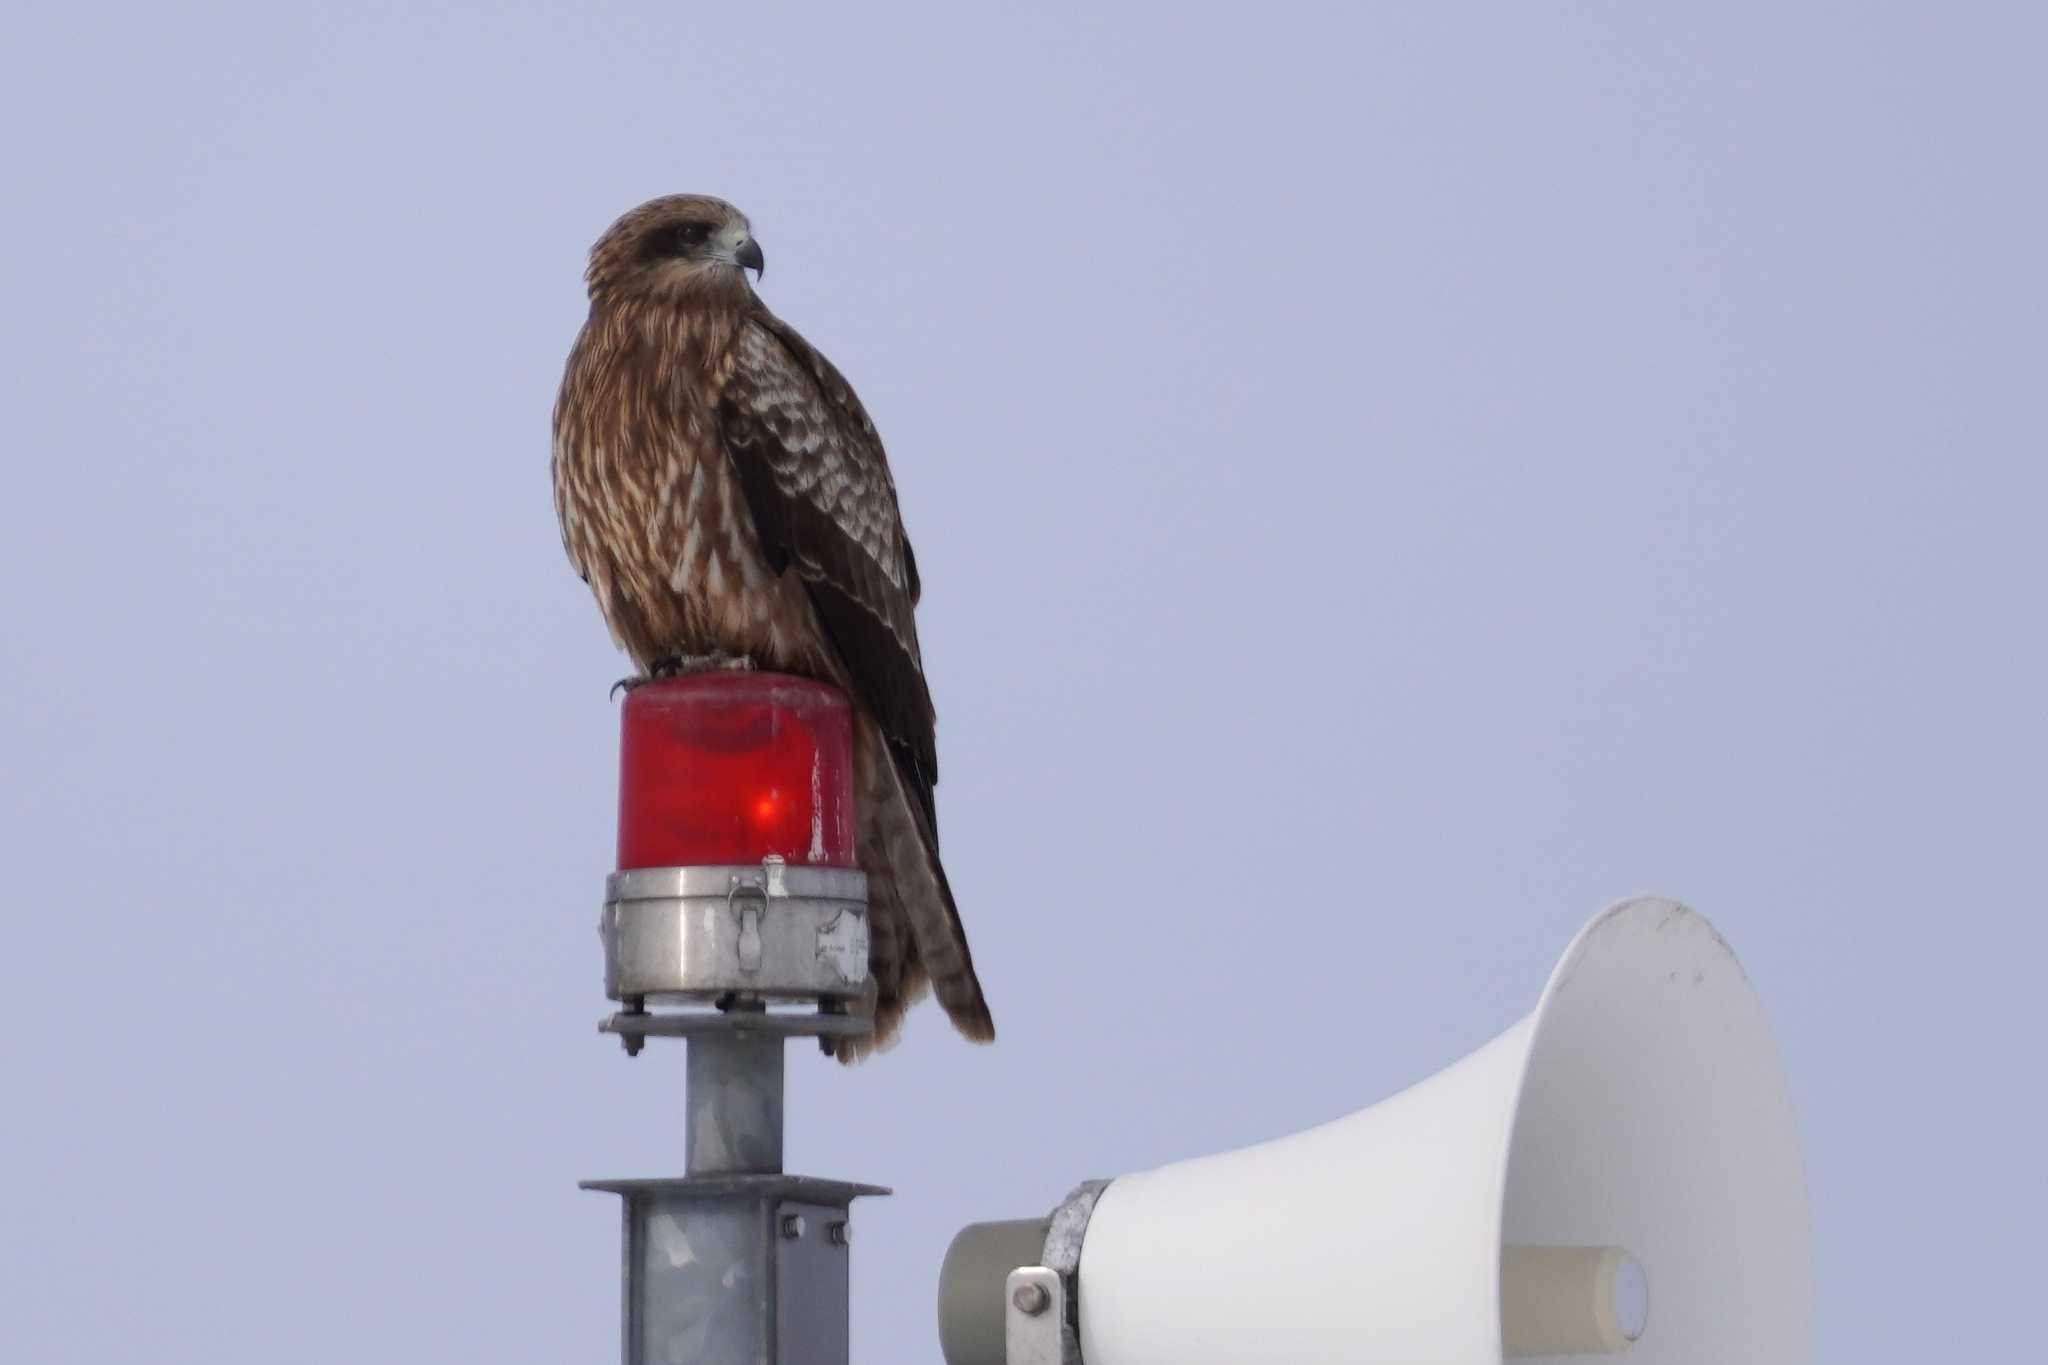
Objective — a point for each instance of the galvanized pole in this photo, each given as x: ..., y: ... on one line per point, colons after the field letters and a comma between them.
x: 733, y: 1119
x: 735, y: 1263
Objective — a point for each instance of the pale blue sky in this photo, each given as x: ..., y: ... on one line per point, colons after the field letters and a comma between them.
x: 1389, y: 481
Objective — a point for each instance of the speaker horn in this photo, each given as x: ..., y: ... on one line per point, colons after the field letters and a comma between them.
x: 1617, y: 1172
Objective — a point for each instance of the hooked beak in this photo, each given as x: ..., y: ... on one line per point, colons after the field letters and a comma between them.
x: 749, y: 257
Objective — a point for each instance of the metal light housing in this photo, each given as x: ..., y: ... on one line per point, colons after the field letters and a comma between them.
x: 736, y: 875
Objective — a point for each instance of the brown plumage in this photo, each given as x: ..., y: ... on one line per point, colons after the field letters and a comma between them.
x: 722, y: 491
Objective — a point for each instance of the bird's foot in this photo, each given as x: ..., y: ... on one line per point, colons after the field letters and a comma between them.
x: 680, y: 665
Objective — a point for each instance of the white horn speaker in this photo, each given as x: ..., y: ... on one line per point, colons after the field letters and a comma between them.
x: 1618, y: 1172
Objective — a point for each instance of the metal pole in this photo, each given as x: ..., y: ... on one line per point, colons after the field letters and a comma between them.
x: 735, y: 1263
x: 734, y: 1106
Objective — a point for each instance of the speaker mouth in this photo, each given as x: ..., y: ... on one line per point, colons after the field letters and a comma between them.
x: 1653, y: 1116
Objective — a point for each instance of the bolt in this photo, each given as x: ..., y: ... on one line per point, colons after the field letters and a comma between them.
x: 839, y: 1234
x: 1031, y: 1299
x: 631, y: 1040
x: 792, y: 1226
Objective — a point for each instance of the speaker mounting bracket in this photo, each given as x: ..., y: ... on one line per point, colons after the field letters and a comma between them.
x: 1062, y: 1262
x: 1034, y: 1317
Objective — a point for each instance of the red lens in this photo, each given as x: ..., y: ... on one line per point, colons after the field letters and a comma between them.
x: 731, y: 767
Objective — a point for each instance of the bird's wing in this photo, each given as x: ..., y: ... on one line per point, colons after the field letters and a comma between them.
x: 818, y: 485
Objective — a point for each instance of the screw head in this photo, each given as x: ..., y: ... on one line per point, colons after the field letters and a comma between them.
x: 792, y: 1226
x: 839, y: 1234
x: 1031, y: 1299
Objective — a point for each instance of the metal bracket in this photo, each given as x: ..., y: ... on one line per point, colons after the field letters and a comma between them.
x: 740, y: 1267
x: 632, y: 1025
x: 1034, y: 1317
x: 811, y: 1284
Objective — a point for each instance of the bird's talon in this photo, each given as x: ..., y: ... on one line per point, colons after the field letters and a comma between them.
x: 680, y: 665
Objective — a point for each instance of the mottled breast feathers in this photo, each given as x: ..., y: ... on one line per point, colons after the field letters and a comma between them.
x: 823, y: 503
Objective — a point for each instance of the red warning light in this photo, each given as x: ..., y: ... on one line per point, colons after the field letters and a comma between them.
x: 731, y: 767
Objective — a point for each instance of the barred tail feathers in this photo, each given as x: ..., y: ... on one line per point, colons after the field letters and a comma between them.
x: 915, y: 932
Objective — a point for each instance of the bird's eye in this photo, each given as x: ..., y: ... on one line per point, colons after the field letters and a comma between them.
x: 679, y: 240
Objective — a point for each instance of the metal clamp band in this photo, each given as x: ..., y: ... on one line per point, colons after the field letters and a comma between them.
x: 1063, y: 1256
x: 769, y: 931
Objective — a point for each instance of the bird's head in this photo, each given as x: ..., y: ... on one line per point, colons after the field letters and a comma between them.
x: 682, y: 243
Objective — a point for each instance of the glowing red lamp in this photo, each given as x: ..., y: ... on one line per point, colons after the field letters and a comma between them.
x: 731, y: 767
